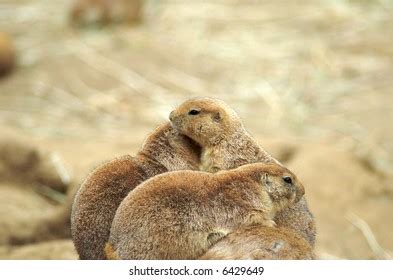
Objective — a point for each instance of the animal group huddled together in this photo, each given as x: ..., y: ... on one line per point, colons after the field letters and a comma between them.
x: 199, y: 188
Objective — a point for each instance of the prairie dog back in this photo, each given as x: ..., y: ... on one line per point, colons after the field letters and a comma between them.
x: 179, y: 215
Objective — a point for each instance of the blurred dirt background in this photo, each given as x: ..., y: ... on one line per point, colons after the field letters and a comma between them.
x: 312, y: 80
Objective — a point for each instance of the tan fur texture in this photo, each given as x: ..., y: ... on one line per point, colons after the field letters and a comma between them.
x: 226, y: 144
x: 105, y: 11
x: 100, y: 195
x: 261, y: 243
x: 110, y: 252
x: 179, y: 215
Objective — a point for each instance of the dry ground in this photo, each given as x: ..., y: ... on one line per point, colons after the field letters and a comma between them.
x: 312, y: 81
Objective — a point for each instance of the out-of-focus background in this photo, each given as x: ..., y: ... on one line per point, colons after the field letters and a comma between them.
x: 85, y: 81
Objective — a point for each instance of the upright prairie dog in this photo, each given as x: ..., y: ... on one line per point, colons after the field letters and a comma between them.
x: 103, y: 190
x: 220, y: 132
x: 261, y: 243
x: 105, y: 11
x: 179, y: 215
x: 226, y: 144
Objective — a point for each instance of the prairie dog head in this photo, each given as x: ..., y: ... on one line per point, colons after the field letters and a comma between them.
x: 180, y: 141
x: 205, y: 120
x: 281, y: 185
x: 173, y: 150
x: 184, y: 146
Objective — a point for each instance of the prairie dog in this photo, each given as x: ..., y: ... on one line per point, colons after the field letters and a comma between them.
x: 226, y: 144
x: 179, y: 215
x: 261, y: 243
x: 219, y: 131
x: 105, y: 11
x: 7, y: 54
x: 102, y: 191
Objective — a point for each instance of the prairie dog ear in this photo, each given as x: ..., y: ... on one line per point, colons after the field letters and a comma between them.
x: 217, y: 117
x: 265, y: 178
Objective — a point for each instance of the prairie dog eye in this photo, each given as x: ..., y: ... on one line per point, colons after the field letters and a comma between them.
x: 194, y: 112
x: 287, y: 179
x: 217, y: 117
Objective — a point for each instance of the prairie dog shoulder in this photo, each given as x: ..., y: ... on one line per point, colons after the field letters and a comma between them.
x: 179, y: 215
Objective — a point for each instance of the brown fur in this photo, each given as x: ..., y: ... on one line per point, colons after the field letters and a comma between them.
x: 106, y: 11
x: 226, y: 144
x: 110, y: 252
x: 261, y: 243
x: 179, y: 215
x: 99, y: 196
x: 7, y: 54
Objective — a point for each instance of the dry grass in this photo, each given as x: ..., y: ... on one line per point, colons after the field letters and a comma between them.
x: 300, y: 63
x: 378, y: 251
